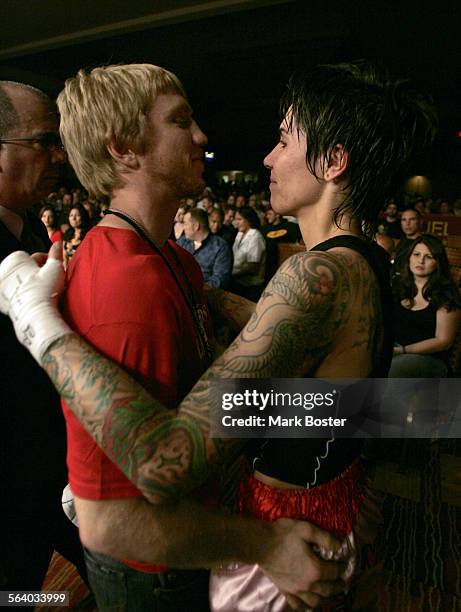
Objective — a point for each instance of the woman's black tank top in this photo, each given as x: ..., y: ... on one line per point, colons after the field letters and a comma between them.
x: 302, y: 461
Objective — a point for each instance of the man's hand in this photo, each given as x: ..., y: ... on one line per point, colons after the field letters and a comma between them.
x: 28, y: 294
x: 298, y: 571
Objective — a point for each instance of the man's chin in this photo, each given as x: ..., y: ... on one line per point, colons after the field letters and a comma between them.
x: 195, y: 190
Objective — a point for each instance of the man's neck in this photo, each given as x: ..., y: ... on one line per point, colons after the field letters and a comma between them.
x: 391, y: 219
x: 156, y: 218
x: 413, y: 236
x: 200, y: 236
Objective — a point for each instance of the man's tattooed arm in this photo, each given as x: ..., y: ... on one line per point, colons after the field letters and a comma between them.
x: 166, y: 453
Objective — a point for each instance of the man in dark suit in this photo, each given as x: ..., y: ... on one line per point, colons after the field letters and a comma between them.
x: 33, y: 440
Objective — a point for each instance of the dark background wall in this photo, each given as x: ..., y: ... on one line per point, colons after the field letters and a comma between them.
x: 235, y: 56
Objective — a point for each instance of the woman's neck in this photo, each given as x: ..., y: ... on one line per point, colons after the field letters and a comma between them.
x: 420, y: 284
x: 316, y: 228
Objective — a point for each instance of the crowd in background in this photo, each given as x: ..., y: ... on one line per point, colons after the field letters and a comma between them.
x: 234, y: 236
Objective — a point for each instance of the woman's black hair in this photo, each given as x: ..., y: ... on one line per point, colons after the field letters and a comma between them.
x: 86, y: 222
x: 440, y: 288
x: 51, y: 209
x: 250, y: 215
x: 379, y: 123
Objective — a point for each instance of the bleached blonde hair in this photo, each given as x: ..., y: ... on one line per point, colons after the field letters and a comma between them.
x: 108, y: 104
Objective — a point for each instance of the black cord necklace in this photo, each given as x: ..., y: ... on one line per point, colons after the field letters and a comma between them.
x: 195, y: 309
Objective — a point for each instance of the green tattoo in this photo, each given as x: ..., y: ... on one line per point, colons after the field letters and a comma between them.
x: 168, y: 453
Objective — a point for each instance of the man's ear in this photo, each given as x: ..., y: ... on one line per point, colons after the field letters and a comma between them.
x: 337, y: 164
x: 124, y: 157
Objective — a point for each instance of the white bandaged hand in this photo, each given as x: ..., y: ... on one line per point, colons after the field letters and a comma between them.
x: 28, y: 294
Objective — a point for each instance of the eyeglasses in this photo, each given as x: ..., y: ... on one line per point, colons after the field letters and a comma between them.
x: 48, y: 141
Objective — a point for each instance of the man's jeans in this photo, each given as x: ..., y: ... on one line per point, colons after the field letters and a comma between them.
x: 119, y: 588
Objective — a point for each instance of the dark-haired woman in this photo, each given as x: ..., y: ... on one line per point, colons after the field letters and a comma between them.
x: 79, y: 222
x: 427, y: 312
x: 178, y: 226
x: 48, y: 218
x: 249, y: 255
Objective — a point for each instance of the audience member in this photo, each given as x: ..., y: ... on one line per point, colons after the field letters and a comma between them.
x: 178, y: 225
x: 420, y: 206
x: 240, y: 201
x: 217, y: 227
x: 249, y: 255
x: 445, y: 208
x: 211, y: 252
x: 411, y: 228
x: 277, y: 230
x: 79, y: 225
x: 47, y: 216
x: 427, y: 312
x: 391, y: 223
x: 229, y: 215
x: 206, y: 204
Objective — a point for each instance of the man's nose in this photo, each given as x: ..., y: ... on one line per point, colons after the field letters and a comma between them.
x: 200, y: 137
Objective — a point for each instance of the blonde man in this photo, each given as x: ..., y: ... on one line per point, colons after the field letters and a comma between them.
x: 137, y: 297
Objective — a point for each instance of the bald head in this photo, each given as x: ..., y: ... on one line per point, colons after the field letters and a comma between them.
x: 29, y: 168
x: 11, y: 94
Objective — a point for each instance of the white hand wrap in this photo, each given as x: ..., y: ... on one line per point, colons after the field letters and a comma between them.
x: 28, y: 294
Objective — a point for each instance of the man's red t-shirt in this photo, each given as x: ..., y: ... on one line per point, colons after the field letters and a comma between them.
x: 123, y: 300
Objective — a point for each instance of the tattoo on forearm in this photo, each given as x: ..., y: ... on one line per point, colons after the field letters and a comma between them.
x: 167, y: 453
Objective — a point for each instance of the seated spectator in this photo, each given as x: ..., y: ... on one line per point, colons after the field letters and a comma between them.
x: 390, y: 222
x: 429, y: 206
x: 206, y: 204
x: 229, y: 215
x: 217, y: 227
x: 445, y: 208
x: 276, y: 230
x: 79, y: 225
x: 67, y: 201
x: 249, y: 255
x: 178, y: 225
x: 240, y: 201
x: 411, y: 228
x: 47, y: 216
x: 212, y: 253
x: 420, y: 206
x: 427, y: 312
x: 76, y: 196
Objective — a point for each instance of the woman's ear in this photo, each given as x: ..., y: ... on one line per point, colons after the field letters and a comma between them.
x: 337, y: 164
x: 125, y: 157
